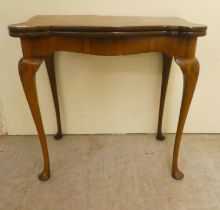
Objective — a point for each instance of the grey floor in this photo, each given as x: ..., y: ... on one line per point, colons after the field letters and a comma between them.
x: 110, y: 172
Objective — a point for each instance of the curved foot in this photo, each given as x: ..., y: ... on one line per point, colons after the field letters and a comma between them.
x: 167, y: 61
x: 177, y: 174
x: 43, y: 176
x: 160, y: 137
x: 190, y: 70
x: 58, y: 136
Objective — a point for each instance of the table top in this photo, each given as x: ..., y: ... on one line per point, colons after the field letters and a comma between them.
x: 45, y: 25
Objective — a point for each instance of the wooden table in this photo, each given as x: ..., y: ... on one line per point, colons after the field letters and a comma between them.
x: 41, y: 36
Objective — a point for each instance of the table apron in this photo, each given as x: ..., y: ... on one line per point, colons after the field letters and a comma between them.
x: 110, y: 46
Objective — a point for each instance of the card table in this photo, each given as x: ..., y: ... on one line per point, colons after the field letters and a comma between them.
x: 43, y: 35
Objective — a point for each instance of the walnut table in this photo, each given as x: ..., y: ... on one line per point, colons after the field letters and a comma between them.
x: 41, y: 36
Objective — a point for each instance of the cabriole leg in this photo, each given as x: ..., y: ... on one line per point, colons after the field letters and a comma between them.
x: 52, y: 78
x: 190, y: 70
x: 167, y: 61
x: 27, y: 71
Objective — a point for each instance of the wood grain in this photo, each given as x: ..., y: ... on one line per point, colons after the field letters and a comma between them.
x: 49, y: 61
x: 41, y: 36
x: 27, y: 72
x: 93, y: 25
x: 167, y: 61
x: 190, y: 70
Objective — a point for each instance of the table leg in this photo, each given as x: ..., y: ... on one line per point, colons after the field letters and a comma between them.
x: 167, y: 61
x: 52, y: 78
x: 27, y: 70
x: 190, y: 70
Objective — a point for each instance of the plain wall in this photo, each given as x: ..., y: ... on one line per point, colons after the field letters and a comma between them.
x: 111, y: 94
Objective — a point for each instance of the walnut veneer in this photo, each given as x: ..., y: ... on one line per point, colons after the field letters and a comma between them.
x: 41, y: 36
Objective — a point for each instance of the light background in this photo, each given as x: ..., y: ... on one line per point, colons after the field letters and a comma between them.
x: 111, y: 94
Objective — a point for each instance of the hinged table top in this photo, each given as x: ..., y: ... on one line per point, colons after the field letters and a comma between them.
x: 45, y: 25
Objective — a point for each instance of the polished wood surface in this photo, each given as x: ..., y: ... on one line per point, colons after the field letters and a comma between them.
x: 167, y: 61
x: 49, y: 61
x: 45, y: 46
x: 190, y: 70
x: 42, y: 36
x: 27, y: 71
x: 94, y: 25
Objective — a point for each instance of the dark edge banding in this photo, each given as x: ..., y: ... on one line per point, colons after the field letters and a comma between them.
x: 106, y: 34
